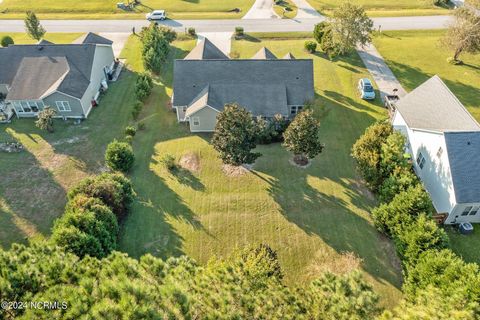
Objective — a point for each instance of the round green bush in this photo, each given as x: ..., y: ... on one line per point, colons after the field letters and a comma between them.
x: 310, y: 46
x: 6, y: 41
x: 119, y: 156
x: 130, y: 131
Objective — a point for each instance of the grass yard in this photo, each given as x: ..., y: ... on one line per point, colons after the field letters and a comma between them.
x: 285, y: 9
x: 23, y: 38
x: 317, y: 218
x: 415, y: 56
x: 106, y: 9
x: 385, y: 8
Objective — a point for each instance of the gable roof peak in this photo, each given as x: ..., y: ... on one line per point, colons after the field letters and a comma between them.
x: 264, y: 54
x: 206, y: 50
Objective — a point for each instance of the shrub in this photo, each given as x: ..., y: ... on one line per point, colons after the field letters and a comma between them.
x: 88, y: 227
x: 266, y: 131
x: 45, y: 119
x: 130, y: 131
x: 168, y: 162
x: 445, y: 271
x: 6, y: 41
x: 367, y: 153
x: 403, y: 209
x: 192, y: 32
x: 239, y: 32
x: 320, y: 30
x: 143, y: 86
x: 310, y: 46
x: 398, y: 181
x: 113, y: 189
x: 137, y: 108
x: 128, y: 139
x: 141, y: 126
x: 119, y: 156
x: 155, y: 40
x: 422, y: 235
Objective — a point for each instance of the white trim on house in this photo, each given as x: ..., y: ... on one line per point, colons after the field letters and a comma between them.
x: 65, y: 106
x: 56, y: 91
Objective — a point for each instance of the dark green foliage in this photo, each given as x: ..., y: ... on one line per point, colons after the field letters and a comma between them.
x: 342, y: 298
x: 6, y: 41
x: 130, y: 131
x: 310, y: 46
x: 413, y: 239
x: 403, y: 209
x: 235, y: 136
x: 33, y: 27
x: 143, y: 88
x: 320, y: 30
x: 156, y: 46
x: 113, y: 189
x: 239, y: 31
x: 88, y: 227
x: 248, y: 286
x: 45, y: 119
x: 192, y: 32
x: 301, y: 137
x: 367, y: 152
x: 168, y: 161
x: 398, y: 181
x: 271, y: 130
x: 119, y: 156
x: 137, y: 108
x: 445, y: 271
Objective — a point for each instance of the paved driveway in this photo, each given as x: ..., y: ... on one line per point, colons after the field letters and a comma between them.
x: 261, y: 9
x: 119, y: 39
x: 305, y: 10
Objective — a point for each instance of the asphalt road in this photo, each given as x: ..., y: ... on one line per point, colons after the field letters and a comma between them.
x: 250, y: 25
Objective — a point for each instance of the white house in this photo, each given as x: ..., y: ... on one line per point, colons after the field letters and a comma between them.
x: 444, y: 140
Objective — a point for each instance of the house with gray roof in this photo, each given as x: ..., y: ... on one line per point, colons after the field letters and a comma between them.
x: 66, y: 77
x: 206, y: 79
x: 444, y: 139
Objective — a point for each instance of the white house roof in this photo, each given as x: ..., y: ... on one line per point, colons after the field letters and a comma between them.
x: 432, y: 106
x: 464, y: 157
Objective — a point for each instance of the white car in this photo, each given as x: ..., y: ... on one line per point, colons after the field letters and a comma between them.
x: 156, y: 15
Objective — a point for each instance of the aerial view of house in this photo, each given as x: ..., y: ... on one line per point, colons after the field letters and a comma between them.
x: 206, y: 79
x: 66, y: 77
x: 240, y: 159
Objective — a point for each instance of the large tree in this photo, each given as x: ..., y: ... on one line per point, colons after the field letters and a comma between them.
x: 350, y: 26
x: 301, y: 137
x: 156, y: 47
x: 33, y: 27
x: 464, y: 34
x: 235, y: 136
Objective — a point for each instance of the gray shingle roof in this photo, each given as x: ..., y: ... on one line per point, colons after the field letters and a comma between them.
x: 35, y: 68
x: 192, y: 76
x: 464, y: 156
x: 205, y: 50
x: 269, y: 99
x: 264, y: 53
x: 43, y: 42
x: 92, y: 38
x: 432, y: 106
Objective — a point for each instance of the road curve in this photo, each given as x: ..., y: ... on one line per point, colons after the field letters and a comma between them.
x: 250, y: 25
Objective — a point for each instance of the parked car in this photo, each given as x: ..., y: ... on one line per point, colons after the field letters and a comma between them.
x: 365, y: 88
x: 156, y: 15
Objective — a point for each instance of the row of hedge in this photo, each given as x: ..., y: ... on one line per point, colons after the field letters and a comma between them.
x: 405, y: 215
x: 96, y: 206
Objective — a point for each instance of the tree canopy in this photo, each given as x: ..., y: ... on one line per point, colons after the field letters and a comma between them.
x: 33, y: 27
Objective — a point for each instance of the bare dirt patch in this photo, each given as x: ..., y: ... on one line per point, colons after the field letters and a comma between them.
x: 190, y: 161
x: 300, y: 164
x: 331, y: 261
x: 360, y: 186
x: 236, y: 171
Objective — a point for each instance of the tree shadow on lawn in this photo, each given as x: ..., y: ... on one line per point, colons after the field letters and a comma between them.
x: 330, y: 215
x: 411, y: 77
x: 30, y: 198
x: 185, y: 177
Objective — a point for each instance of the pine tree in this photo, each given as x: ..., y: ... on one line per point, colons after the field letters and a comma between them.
x: 33, y: 27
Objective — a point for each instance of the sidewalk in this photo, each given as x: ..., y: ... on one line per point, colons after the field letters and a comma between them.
x: 381, y: 73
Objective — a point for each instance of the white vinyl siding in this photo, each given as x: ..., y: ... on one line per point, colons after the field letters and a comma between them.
x: 196, y: 121
x: 63, y: 106
x: 28, y: 106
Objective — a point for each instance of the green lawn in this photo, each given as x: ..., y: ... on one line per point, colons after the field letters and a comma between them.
x: 23, y: 38
x: 106, y: 9
x: 415, y: 56
x: 384, y: 7
x: 466, y: 245
x: 317, y: 218
x: 280, y: 7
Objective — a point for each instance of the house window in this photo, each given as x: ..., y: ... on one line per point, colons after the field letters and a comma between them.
x: 184, y: 109
x: 295, y: 109
x: 33, y: 106
x: 466, y: 211
x: 421, y: 160
x: 26, y: 107
x: 474, y: 211
x: 439, y: 152
x: 63, y: 106
x: 18, y: 106
x: 196, y: 121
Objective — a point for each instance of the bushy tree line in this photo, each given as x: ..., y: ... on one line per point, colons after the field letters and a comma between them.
x: 248, y: 285
x: 95, y: 207
x: 405, y: 215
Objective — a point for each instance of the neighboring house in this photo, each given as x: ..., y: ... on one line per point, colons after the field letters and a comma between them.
x: 66, y: 77
x: 444, y: 140
x: 207, y: 79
